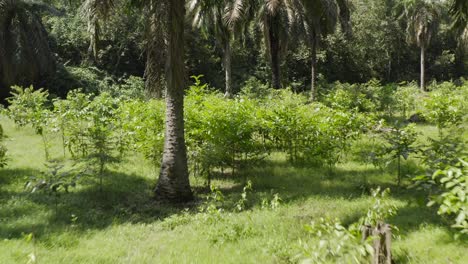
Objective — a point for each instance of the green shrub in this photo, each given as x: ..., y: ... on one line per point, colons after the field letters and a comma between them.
x: 444, y: 108
x: 3, y: 150
x: 399, y: 144
x: 143, y: 126
x: 448, y: 189
x: 220, y: 132
x: 405, y: 99
x: 346, y: 96
x: 30, y: 107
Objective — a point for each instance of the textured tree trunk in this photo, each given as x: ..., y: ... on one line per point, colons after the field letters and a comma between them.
x: 173, y: 184
x: 156, y: 51
x: 423, y: 61
x: 93, y: 29
x: 382, y: 242
x: 228, y: 69
x: 313, y: 70
x: 275, y: 52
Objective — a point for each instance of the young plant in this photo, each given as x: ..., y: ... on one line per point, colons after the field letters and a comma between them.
x: 448, y: 188
x: 53, y: 181
x: 100, y: 134
x: 3, y: 150
x: 340, y: 244
x: 444, y: 108
x: 29, y: 107
x: 400, y: 144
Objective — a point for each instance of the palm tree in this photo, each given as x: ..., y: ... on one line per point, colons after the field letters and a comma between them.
x: 156, y: 37
x: 318, y: 19
x: 25, y: 55
x: 422, y: 23
x: 221, y: 19
x: 94, y: 11
x: 173, y: 183
x: 276, y: 18
x: 459, y: 12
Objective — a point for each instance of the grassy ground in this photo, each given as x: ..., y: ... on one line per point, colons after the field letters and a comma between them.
x: 124, y: 225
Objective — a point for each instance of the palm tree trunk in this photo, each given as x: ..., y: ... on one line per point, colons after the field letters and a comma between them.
x: 154, y: 69
x: 93, y: 29
x: 228, y: 69
x: 313, y: 70
x: 274, y: 52
x: 173, y: 184
x: 423, y: 53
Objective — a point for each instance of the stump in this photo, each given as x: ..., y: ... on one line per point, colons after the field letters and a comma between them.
x: 382, y: 242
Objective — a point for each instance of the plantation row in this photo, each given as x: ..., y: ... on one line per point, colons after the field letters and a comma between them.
x: 230, y: 133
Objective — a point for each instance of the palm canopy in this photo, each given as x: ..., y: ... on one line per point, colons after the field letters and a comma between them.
x: 459, y: 11
x: 94, y: 11
x: 423, y: 19
x: 25, y: 56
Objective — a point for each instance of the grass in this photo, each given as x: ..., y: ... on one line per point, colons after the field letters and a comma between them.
x: 124, y: 225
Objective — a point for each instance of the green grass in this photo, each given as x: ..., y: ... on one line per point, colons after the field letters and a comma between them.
x: 124, y: 225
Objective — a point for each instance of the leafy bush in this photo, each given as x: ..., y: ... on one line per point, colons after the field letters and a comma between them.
x: 346, y: 96
x: 405, y: 98
x: 26, y: 106
x: 338, y: 244
x: 3, y: 150
x: 220, y: 132
x: 143, y: 126
x: 100, y: 133
x: 448, y: 189
x: 444, y: 108
x: 53, y: 181
x: 443, y: 152
x: 453, y: 198
x: 30, y: 107
x: 399, y: 144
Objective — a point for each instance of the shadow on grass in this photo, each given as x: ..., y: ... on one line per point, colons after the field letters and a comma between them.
x: 124, y: 199
x: 10, y: 176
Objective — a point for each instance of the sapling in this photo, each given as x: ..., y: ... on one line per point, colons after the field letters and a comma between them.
x: 29, y: 107
x: 53, y: 181
x: 400, y: 144
x: 100, y: 134
x: 3, y: 150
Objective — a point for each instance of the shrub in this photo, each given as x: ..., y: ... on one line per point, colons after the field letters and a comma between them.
x: 3, y: 150
x: 399, y: 144
x: 220, y: 132
x: 143, y: 126
x: 444, y: 108
x: 346, y: 96
x: 405, y: 98
x: 448, y: 190
x: 29, y: 107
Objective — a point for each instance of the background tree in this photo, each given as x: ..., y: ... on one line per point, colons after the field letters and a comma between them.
x: 319, y: 18
x: 94, y: 11
x: 221, y: 19
x: 156, y: 36
x: 173, y: 183
x: 25, y: 55
x: 422, y: 23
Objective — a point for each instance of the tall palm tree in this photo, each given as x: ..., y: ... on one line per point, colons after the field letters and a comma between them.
x: 156, y: 47
x: 422, y: 23
x: 94, y: 11
x: 277, y: 17
x: 220, y: 18
x: 459, y: 12
x: 25, y: 55
x: 318, y: 19
x: 173, y: 183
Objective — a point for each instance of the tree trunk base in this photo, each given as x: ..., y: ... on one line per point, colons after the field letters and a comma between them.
x: 381, y: 242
